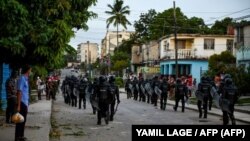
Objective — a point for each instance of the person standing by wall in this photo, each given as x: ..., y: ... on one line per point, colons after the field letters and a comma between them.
x: 11, y: 95
x: 22, y: 101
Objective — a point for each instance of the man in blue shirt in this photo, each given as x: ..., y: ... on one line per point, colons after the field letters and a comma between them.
x: 22, y: 101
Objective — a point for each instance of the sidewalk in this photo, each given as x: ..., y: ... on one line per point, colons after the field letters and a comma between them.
x: 37, y: 125
x: 242, y: 113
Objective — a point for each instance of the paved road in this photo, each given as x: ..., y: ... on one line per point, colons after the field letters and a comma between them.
x: 78, y: 124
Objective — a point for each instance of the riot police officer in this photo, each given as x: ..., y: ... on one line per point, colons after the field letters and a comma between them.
x: 135, y: 84
x: 82, y: 92
x: 128, y: 88
x: 164, y: 95
x: 228, y: 99
x: 155, y: 86
x: 181, y: 91
x: 93, y: 94
x: 204, y: 89
x: 115, y: 96
x: 104, y: 99
x: 142, y: 96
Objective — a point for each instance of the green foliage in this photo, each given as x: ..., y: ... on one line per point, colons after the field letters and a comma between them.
x: 119, y: 82
x: 118, y: 14
x: 221, y: 63
x: 38, y: 32
x: 119, y: 61
x: 220, y: 27
x: 225, y: 63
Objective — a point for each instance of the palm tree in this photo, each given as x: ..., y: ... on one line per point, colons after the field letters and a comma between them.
x: 118, y: 15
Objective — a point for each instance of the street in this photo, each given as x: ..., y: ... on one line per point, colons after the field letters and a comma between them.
x: 79, y: 124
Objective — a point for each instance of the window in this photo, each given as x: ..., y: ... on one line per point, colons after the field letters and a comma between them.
x: 166, y: 45
x: 209, y: 44
x: 181, y: 44
x: 120, y: 36
x: 230, y: 45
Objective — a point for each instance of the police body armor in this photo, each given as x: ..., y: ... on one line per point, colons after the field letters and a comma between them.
x: 180, y: 89
x: 203, y: 92
x: 164, y: 88
x: 105, y: 94
x: 113, y: 90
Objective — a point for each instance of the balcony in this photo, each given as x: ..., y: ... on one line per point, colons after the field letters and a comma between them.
x: 182, y: 54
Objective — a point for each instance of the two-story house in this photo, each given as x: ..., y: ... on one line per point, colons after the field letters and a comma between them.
x: 145, y: 59
x: 193, y: 53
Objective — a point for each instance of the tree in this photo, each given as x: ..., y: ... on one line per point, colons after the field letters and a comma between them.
x: 220, y: 27
x: 153, y: 25
x: 120, y: 61
x: 141, y: 26
x: 118, y: 14
x: 221, y: 63
x: 43, y: 31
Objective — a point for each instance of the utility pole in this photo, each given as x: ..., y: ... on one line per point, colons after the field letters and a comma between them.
x: 175, y: 44
x: 88, y: 59
x: 109, y: 61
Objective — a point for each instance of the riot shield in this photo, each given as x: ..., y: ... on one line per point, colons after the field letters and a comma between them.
x: 130, y: 86
x: 143, y: 90
x: 137, y: 87
x: 94, y: 101
x: 158, y: 91
x: 149, y: 89
x: 215, y: 96
x: 87, y: 93
x: 224, y: 104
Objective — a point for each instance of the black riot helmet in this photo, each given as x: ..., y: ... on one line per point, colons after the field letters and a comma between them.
x: 102, y: 79
x: 228, y: 81
x: 227, y: 76
x: 203, y: 79
x: 112, y: 79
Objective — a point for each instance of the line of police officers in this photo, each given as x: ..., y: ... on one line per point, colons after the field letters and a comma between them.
x: 225, y: 95
x: 103, y: 94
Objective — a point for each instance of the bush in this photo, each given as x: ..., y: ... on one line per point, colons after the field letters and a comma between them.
x: 119, y: 82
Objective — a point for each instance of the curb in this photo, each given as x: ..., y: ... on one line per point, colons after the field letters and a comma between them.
x: 210, y: 112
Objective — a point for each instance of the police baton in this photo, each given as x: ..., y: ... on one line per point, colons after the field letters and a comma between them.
x: 116, y: 108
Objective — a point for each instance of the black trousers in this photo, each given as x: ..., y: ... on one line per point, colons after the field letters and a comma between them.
x: 19, y: 133
x: 10, y: 110
x: 82, y: 99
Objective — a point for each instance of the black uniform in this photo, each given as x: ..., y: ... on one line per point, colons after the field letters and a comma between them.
x: 128, y: 89
x: 155, y: 85
x: 135, y: 84
x: 142, y: 96
x: 204, y: 88
x: 228, y: 99
x: 82, y: 92
x: 164, y: 95
x: 181, y: 91
x: 93, y: 95
x: 104, y: 100
x: 115, y: 96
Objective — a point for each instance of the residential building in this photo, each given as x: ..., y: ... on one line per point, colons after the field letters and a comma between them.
x: 193, y: 53
x: 87, y: 52
x: 145, y: 59
x: 242, y: 44
x: 109, y: 42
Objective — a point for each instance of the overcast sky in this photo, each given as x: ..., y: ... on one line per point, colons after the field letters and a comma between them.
x: 209, y: 10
